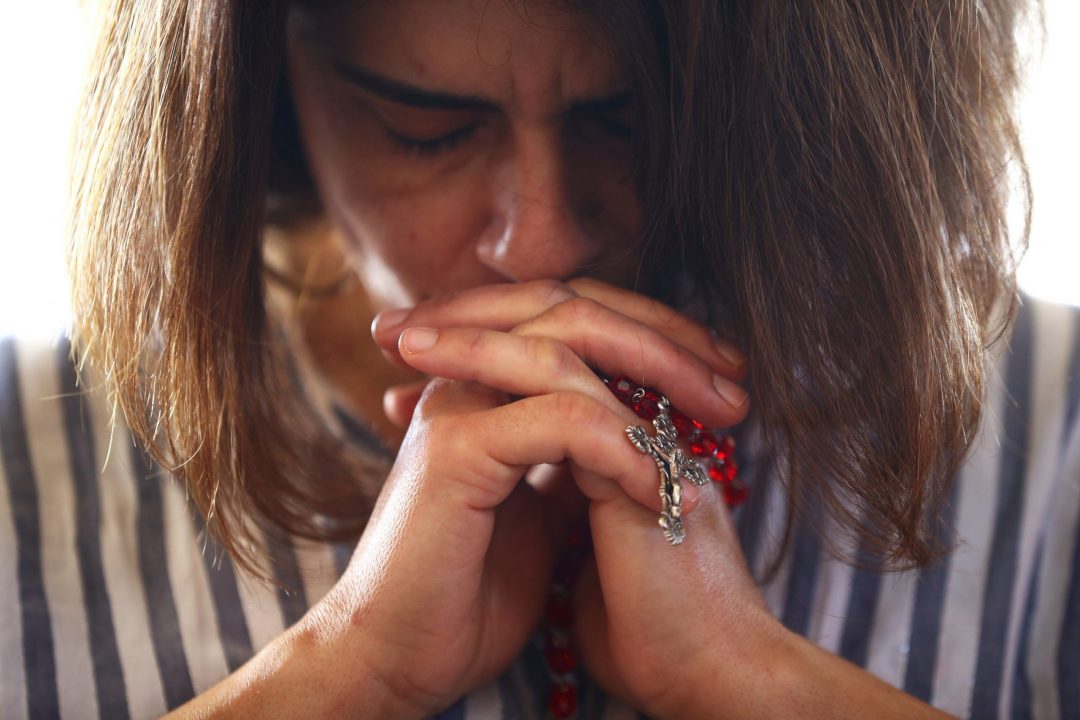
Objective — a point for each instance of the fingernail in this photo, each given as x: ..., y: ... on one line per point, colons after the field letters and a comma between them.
x: 734, y: 395
x: 690, y: 495
x: 390, y: 318
x: 419, y: 339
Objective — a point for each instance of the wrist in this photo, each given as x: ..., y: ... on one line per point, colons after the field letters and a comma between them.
x: 784, y: 675
x: 345, y: 669
x: 301, y: 673
x: 761, y: 672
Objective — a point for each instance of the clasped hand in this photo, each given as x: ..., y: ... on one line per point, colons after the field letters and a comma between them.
x: 451, y: 576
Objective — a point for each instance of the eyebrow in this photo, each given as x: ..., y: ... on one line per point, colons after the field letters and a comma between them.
x: 609, y: 103
x: 406, y: 94
x: 401, y: 92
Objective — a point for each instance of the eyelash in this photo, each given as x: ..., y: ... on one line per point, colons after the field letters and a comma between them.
x: 433, y: 146
x: 620, y: 130
x: 445, y: 143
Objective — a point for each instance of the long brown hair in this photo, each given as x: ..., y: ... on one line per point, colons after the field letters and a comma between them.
x: 828, y: 178
x: 845, y: 181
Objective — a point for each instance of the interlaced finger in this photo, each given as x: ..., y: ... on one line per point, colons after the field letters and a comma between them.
x: 521, y: 365
x: 619, y: 345
x: 505, y: 306
x: 553, y: 428
x: 555, y: 352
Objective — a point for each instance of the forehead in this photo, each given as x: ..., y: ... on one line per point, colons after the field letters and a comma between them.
x: 516, y: 53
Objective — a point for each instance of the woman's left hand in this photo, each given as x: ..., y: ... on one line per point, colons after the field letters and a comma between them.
x: 677, y: 631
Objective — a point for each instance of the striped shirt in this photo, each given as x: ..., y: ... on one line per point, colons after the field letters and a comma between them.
x: 114, y: 604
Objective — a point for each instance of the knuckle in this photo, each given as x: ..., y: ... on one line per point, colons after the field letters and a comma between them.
x: 434, y: 306
x: 448, y: 298
x: 584, y: 284
x: 554, y: 292
x: 551, y: 356
x: 576, y: 410
x: 448, y: 435
x: 678, y: 354
x: 430, y: 398
x: 576, y: 310
x: 670, y: 318
x: 476, y: 342
x: 564, y: 360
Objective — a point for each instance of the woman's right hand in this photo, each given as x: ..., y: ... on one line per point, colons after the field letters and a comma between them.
x: 450, y: 577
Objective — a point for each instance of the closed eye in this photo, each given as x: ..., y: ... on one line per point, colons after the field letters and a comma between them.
x: 614, y: 126
x: 433, y: 146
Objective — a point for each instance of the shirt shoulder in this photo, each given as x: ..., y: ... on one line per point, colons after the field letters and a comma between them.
x: 113, y: 600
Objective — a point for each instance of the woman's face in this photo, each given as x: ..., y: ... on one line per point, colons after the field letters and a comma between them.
x: 461, y: 142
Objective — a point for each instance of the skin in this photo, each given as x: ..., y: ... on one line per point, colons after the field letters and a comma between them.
x: 528, y: 184
x: 500, y: 264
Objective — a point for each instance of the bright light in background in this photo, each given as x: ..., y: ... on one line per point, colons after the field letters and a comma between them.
x: 1051, y: 133
x: 43, y: 50
x: 43, y: 47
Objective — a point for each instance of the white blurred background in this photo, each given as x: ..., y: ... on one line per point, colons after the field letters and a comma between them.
x: 43, y: 46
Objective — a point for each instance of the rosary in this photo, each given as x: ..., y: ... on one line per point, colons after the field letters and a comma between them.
x: 711, y: 458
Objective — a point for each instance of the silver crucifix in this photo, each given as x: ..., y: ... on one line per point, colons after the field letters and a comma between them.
x: 673, y: 465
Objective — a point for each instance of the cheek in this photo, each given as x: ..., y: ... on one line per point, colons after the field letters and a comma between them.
x: 413, y: 216
x: 439, y: 218
x: 426, y: 237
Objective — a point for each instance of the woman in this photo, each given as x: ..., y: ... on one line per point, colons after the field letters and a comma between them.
x: 517, y: 188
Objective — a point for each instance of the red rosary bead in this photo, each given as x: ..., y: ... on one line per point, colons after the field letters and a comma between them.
x: 561, y: 663
x: 622, y: 388
x: 723, y: 472
x: 647, y: 407
x: 685, y: 425
x: 725, y: 447
x: 560, y: 658
x: 703, y: 444
x: 560, y: 613
x: 735, y: 492
x: 562, y: 701
x: 715, y: 452
x: 646, y: 404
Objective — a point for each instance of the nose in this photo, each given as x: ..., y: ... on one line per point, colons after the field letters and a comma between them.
x: 541, y: 212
